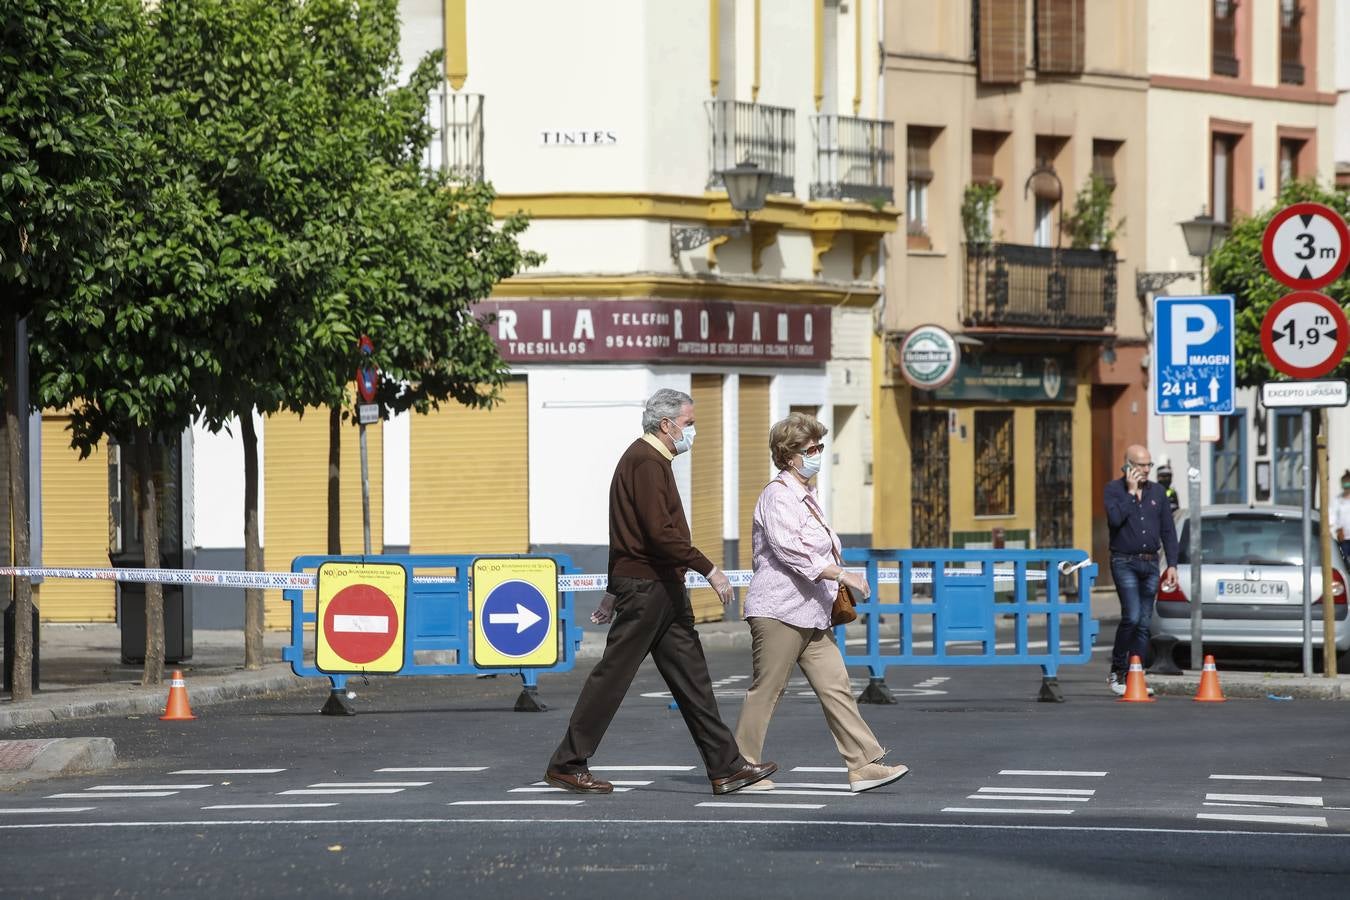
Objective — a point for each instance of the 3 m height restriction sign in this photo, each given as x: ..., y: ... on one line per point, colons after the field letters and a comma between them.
x: 360, y: 617
x: 1193, y: 353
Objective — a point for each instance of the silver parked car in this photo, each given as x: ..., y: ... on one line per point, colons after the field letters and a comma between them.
x: 1252, y: 583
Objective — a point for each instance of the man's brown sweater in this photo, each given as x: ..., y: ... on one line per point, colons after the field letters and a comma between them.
x: 648, y: 533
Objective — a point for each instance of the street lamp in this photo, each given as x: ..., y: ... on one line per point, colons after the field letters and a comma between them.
x: 1203, y: 236
x: 747, y: 186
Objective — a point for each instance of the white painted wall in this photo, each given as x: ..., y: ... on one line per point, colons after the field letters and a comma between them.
x: 217, y: 462
x: 397, y: 440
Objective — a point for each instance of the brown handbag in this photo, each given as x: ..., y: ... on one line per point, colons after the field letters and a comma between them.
x: 842, y: 612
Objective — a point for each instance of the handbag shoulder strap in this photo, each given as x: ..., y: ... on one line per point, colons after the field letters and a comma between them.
x: 837, y: 561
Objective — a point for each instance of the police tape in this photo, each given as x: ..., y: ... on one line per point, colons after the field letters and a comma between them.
x: 578, y: 583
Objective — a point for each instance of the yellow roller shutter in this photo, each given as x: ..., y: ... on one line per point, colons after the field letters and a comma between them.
x: 754, y: 465
x: 706, y: 458
x: 470, y: 480
x: 295, y: 494
x: 74, y: 527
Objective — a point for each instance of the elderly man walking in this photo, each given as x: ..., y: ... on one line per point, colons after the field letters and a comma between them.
x: 650, y: 550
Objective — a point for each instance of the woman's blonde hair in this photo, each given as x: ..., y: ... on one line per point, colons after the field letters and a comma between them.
x: 792, y: 435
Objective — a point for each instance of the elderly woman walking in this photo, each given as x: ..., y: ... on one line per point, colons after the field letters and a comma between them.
x: 796, y: 576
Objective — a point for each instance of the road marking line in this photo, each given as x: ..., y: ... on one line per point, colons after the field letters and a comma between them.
x: 433, y: 769
x: 1064, y: 772
x: 108, y: 795
x: 368, y: 784
x: 1243, y: 805
x: 1316, y: 821
x: 819, y: 769
x: 731, y: 804
x: 1013, y: 811
x: 815, y: 786
x: 642, y: 768
x: 331, y: 791
x: 532, y: 789
x: 46, y: 809
x: 517, y: 802
x: 1022, y: 799
x: 779, y: 789
x: 268, y: 805
x: 1081, y: 792
x: 616, y: 783
x: 1267, y: 798
x: 1268, y: 777
x: 147, y: 787
x: 227, y: 771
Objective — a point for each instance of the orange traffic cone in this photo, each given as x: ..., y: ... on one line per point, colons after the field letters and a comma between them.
x: 1209, y: 691
x: 1136, y: 690
x: 177, y: 709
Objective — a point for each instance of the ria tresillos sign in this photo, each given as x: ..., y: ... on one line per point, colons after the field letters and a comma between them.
x: 929, y: 357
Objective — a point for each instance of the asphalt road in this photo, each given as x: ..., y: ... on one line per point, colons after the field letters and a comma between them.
x: 433, y: 790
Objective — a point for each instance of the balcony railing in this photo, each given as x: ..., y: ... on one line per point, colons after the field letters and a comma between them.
x: 855, y: 159
x: 765, y: 135
x: 456, y: 134
x: 1013, y: 284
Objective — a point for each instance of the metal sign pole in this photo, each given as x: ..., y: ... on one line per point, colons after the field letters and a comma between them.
x: 1307, y: 543
x: 1193, y: 499
x: 1324, y: 546
x: 365, y: 491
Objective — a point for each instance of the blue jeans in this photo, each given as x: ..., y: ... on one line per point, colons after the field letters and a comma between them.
x: 1137, y: 586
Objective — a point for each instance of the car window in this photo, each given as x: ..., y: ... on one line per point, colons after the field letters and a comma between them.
x: 1250, y: 541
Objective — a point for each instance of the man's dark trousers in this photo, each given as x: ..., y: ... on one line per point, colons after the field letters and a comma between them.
x: 1137, y: 586
x: 649, y: 617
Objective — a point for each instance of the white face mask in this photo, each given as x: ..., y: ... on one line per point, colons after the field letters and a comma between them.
x: 685, y: 442
x: 810, y: 466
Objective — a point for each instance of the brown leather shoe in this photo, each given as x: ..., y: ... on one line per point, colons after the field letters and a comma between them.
x: 749, y: 775
x: 578, y: 782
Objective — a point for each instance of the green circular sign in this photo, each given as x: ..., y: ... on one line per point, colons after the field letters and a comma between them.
x: 929, y: 357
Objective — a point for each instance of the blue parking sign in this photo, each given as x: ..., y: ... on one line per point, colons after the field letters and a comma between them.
x: 1193, y: 352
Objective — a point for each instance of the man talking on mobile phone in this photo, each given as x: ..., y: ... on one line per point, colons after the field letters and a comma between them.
x: 1140, y: 520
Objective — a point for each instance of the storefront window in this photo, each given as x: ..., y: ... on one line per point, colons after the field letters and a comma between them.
x: 993, y: 463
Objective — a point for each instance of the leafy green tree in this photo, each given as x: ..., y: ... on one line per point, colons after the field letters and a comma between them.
x: 1237, y: 268
x: 61, y: 137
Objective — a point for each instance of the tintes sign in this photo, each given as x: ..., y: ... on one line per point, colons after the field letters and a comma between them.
x: 687, y: 331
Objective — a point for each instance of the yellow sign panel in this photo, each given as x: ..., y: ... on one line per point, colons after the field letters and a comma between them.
x: 361, y: 617
x: 515, y: 613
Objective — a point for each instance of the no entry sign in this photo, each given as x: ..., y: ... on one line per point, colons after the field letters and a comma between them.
x: 361, y: 617
x: 1306, y: 245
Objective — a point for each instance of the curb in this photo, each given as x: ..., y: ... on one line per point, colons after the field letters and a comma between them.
x: 150, y: 701
x: 1187, y: 685
x: 58, y: 756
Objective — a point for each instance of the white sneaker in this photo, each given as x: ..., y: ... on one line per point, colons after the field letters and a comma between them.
x: 875, y: 775
x: 1116, y: 683
x: 763, y: 784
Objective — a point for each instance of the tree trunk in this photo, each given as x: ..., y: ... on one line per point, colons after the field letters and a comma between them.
x: 147, y: 469
x: 253, y: 559
x: 334, y: 481
x: 16, y: 424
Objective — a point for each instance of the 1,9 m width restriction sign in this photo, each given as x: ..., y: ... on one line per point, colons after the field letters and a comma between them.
x: 1305, y: 246
x: 1304, y: 334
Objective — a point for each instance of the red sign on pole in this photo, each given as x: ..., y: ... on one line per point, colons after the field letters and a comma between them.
x: 361, y: 624
x: 1304, y: 334
x: 367, y: 374
x: 1306, y: 246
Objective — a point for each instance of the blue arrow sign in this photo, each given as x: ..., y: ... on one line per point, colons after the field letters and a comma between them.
x: 515, y: 618
x: 1193, y: 353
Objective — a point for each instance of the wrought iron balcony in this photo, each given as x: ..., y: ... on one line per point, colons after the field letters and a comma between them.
x: 456, y: 134
x: 855, y: 159
x: 1014, y: 284
x: 752, y: 132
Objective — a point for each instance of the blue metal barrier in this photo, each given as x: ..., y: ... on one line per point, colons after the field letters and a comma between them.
x: 438, y: 617
x: 965, y: 608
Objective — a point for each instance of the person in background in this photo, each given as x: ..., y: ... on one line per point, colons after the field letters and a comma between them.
x: 1340, y: 516
x: 1141, y: 527
x: 649, y: 552
x: 796, y: 577
x: 1164, y: 475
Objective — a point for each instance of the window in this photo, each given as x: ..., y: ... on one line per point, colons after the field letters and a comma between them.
x: 1228, y: 461
x: 1001, y: 40
x: 1290, y: 151
x: 1291, y: 42
x: 919, y: 176
x: 1221, y: 170
x: 1224, y: 37
x: 984, y: 149
x: 1104, y: 161
x: 993, y: 463
x: 1047, y: 188
x: 1060, y: 31
x: 1288, y: 457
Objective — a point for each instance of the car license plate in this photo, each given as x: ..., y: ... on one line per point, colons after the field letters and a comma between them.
x: 1232, y: 589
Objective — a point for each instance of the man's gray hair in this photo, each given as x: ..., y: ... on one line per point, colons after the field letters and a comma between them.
x: 664, y: 404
